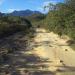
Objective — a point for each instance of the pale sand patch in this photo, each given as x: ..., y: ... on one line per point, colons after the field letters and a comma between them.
x: 56, y: 52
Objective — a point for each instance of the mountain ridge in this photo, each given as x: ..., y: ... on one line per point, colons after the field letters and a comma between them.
x: 23, y: 13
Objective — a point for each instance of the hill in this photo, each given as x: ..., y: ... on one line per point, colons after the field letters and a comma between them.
x: 35, y: 18
x: 23, y: 13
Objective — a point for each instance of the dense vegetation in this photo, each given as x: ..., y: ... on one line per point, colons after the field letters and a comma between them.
x: 10, y: 25
x: 61, y: 18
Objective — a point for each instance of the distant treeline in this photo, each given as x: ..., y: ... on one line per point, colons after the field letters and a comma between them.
x: 8, y: 26
x: 35, y: 18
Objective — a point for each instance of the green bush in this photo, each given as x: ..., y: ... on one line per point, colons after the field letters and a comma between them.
x: 10, y: 25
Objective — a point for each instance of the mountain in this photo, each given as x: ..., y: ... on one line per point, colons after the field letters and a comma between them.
x: 24, y: 13
x: 1, y: 14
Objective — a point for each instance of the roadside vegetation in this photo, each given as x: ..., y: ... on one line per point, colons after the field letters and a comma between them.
x: 11, y: 24
x: 35, y: 19
x: 61, y: 19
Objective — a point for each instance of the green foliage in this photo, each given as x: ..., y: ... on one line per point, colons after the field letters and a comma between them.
x: 71, y: 4
x: 35, y: 18
x: 8, y: 26
x: 11, y: 24
x: 61, y: 19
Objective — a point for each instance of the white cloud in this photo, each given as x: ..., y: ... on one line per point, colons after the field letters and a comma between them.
x: 47, y: 2
x: 11, y: 10
x: 41, y: 8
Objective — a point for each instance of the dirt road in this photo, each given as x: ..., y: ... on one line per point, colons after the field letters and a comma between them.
x: 44, y: 54
x: 55, y: 49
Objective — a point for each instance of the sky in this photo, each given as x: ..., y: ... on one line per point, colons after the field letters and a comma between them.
x: 11, y: 5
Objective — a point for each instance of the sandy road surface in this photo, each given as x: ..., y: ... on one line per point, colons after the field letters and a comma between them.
x: 51, y: 46
x: 42, y: 53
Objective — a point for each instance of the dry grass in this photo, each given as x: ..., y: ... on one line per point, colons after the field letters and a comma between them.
x: 66, y: 73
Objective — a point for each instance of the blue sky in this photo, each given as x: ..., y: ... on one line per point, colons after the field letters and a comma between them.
x: 11, y: 5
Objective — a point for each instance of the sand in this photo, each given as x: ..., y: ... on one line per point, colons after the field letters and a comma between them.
x: 51, y: 46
